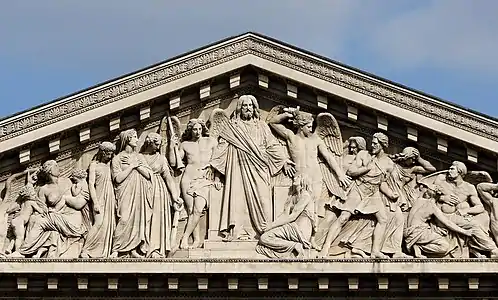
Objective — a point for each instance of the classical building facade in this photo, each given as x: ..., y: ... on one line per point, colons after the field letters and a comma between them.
x: 249, y: 168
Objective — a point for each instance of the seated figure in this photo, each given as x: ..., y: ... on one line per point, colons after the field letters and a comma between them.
x: 291, y: 232
x: 426, y: 238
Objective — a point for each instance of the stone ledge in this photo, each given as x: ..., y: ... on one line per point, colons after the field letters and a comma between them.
x: 249, y: 266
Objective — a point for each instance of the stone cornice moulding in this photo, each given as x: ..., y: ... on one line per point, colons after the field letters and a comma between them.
x: 249, y: 266
x: 226, y: 56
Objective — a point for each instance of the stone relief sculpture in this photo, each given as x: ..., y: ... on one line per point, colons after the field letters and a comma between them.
x: 488, y: 192
x: 459, y: 201
x: 198, y: 176
x: 305, y: 148
x: 339, y: 199
x: 291, y: 232
x: 132, y: 179
x: 57, y: 232
x: 99, y: 239
x: 247, y: 155
x: 424, y: 237
x: 164, y: 196
x: 365, y: 195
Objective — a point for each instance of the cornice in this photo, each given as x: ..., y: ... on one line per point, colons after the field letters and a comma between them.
x: 235, y: 48
x: 250, y: 266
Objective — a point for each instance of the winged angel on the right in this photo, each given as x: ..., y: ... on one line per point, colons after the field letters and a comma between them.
x: 305, y: 147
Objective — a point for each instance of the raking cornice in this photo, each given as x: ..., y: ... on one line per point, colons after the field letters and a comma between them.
x: 247, y: 45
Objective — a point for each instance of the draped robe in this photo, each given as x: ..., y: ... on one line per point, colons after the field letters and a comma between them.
x: 248, y: 155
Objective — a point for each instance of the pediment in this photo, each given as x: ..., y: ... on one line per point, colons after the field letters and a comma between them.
x: 70, y: 129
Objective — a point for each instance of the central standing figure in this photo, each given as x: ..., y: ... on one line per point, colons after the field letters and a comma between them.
x: 247, y: 155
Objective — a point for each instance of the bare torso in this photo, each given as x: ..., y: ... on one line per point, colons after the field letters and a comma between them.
x: 304, y: 153
x: 197, y: 155
x: 463, y: 191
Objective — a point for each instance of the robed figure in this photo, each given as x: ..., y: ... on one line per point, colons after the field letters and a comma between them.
x: 247, y: 155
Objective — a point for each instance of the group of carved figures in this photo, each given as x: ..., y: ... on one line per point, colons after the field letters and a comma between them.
x: 340, y: 198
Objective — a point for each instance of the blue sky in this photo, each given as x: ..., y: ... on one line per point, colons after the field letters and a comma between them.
x: 51, y: 48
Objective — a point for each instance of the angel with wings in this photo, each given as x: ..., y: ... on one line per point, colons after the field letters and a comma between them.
x: 307, y: 148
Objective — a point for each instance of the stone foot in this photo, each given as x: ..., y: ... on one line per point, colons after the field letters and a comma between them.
x: 378, y: 255
x: 359, y: 252
x: 184, y: 244
x: 300, y: 250
x: 197, y: 244
x: 494, y: 253
x: 401, y: 255
x: 113, y: 255
x: 16, y: 254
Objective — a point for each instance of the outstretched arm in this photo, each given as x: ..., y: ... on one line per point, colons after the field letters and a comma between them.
x: 485, y: 190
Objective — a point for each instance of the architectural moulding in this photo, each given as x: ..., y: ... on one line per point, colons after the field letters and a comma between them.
x: 249, y: 49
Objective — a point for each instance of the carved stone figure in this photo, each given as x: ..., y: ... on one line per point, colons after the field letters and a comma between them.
x: 408, y: 165
x: 9, y: 207
x: 132, y: 178
x: 305, y: 147
x: 291, y: 232
x: 365, y: 194
x: 422, y: 235
x: 196, y: 149
x: 164, y: 195
x: 98, y: 242
x: 60, y: 231
x: 247, y: 155
x: 488, y: 192
x: 402, y: 181
x: 460, y: 203
x: 352, y: 146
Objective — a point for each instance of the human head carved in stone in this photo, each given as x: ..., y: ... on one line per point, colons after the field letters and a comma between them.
x: 127, y: 138
x: 153, y: 141
x: 407, y: 157
x: 380, y: 142
x: 196, y: 128
x: 105, y: 152
x: 304, y: 122
x: 356, y: 144
x: 457, y: 170
x: 247, y: 108
x: 50, y: 170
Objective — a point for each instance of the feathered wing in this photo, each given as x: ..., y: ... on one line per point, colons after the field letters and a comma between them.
x: 165, y: 131
x: 218, y: 121
x: 328, y: 130
x: 476, y: 177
